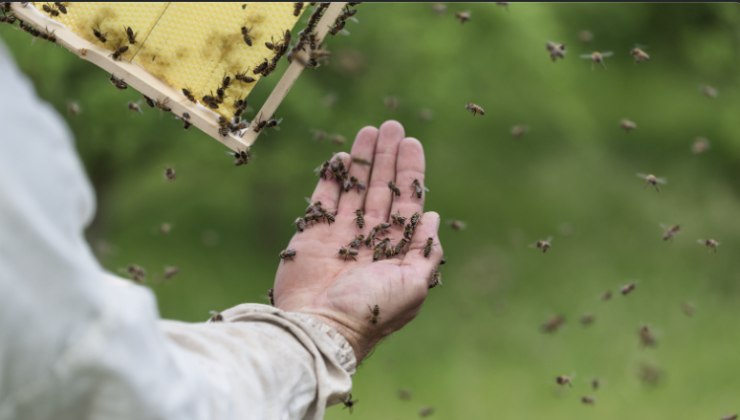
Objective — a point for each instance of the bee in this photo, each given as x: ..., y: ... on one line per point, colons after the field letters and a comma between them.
x: 709, y: 91
x: 709, y: 243
x: 220, y: 93
x: 169, y: 174
x: 404, y: 394
x: 639, y: 55
x: 359, y: 218
x: 241, y: 157
x: 653, y: 180
x: 165, y: 228
x: 170, y: 271
x: 357, y: 242
x: 391, y: 102
x: 223, y: 126
x: 700, y: 145
x: 297, y: 7
x: 216, y: 316
x: 688, y: 309
x: 556, y: 50
x: 597, y: 57
x: 73, y: 108
x: 563, y: 380
x: 99, y: 35
x: 271, y: 296
x: 585, y: 36
x: 595, y: 384
x: 61, y: 7
x: 628, y: 288
x: 338, y: 26
x: 348, y: 253
x: 606, y: 296
x: 400, y: 246
x: 518, y: 131
x: 131, y: 35
x: 415, y: 218
x: 338, y: 139
x: 426, y: 114
x: 149, y: 101
x: 436, y: 278
x: 475, y: 109
x: 210, y: 101
x: 328, y: 217
x: 188, y: 94
x: 426, y: 411
x: 242, y: 77
x: 439, y: 8
x: 300, y: 224
x: 587, y: 319
x: 119, y: 83
x: 380, y: 249
x: 162, y: 105
x: 730, y: 417
x: 287, y: 254
x: 118, y: 52
x: 647, y: 339
x: 417, y: 189
x: 349, y: 402
x: 374, y: 314
x: 382, y: 228
x: 463, y: 16
x: 650, y: 374
x: 456, y: 225
x: 50, y: 10
x: 397, y: 219
x: 588, y: 400
x: 245, y: 35
x: 428, y: 247
x: 627, y: 125
x: 226, y: 82
x: 134, y: 106
x: 553, y: 324
x: 670, y: 231
x: 10, y: 19
x: 394, y: 189
x: 543, y: 244
x: 137, y: 273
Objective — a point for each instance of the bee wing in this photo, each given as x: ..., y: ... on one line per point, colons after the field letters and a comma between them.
x: 586, y: 56
x: 701, y: 241
x: 641, y: 175
x: 661, y: 181
x: 549, y: 239
x: 607, y: 54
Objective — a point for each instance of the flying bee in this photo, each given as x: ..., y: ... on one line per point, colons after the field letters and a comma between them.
x: 417, y: 189
x: 169, y: 174
x: 670, y: 231
x: 587, y: 319
x: 241, y: 157
x: 518, y: 131
x: 700, y: 145
x: 709, y: 91
x: 428, y: 247
x: 639, y: 55
x: 245, y: 35
x: 426, y: 411
x: 99, y: 35
x: 597, y: 57
x: 595, y: 383
x: 628, y: 288
x: 439, y: 8
x: 543, y: 244
x: 653, y: 180
x: 564, y: 380
x: 73, y: 108
x: 349, y: 402
x: 606, y: 295
x: 61, y: 7
x: 397, y: 219
x: 709, y: 243
x: 118, y: 52
x: 50, y: 10
x: 404, y: 394
x: 162, y: 104
x: 688, y: 308
x: 137, y: 273
x: 456, y: 225
x: 650, y: 374
x: 588, y: 400
x: 359, y: 218
x: 585, y: 36
x: 357, y: 242
x: 297, y: 7
x: 374, y: 313
x: 463, y: 16
x: 216, y: 316
x: 188, y: 94
x: 647, y: 339
x: 556, y: 50
x: 553, y: 324
x: 730, y: 417
x: 394, y: 189
x: 391, y: 102
x: 134, y: 106
x: 627, y: 125
x: 287, y: 254
x: 338, y: 139
x: 348, y: 253
x: 170, y: 271
x: 119, y: 83
x: 131, y: 35
x: 475, y: 109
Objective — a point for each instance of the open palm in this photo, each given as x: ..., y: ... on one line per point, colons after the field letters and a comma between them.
x: 344, y: 291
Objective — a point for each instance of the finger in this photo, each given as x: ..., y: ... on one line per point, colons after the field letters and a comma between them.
x: 363, y: 150
x: 378, y: 200
x: 328, y: 190
x: 409, y: 168
x: 415, y: 258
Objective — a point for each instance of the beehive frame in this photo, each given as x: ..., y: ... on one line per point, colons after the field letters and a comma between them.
x: 149, y: 85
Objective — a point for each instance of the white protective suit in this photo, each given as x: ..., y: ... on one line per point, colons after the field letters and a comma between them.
x: 78, y: 343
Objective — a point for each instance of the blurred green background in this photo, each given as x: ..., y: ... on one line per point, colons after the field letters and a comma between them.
x: 476, y: 350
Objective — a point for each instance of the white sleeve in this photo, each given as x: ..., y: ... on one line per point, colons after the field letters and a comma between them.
x: 73, y: 345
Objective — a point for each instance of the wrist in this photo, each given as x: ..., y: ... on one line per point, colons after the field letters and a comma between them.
x: 359, y: 345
